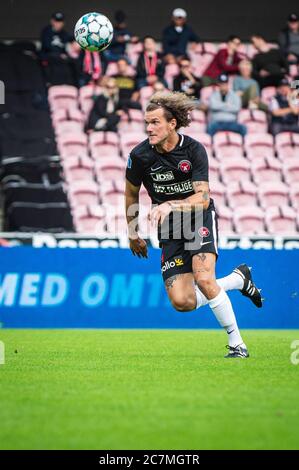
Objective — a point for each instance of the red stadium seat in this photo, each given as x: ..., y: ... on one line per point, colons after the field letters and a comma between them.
x: 72, y: 144
x: 66, y: 127
x: 214, y: 171
x: 227, y: 145
x: 259, y: 145
x: 110, y: 169
x: 254, y: 120
x: 294, y: 195
x: 281, y: 220
x: 235, y: 169
x: 89, y: 219
x: 287, y: 145
x: 241, y: 193
x: 83, y: 192
x: 249, y: 220
x: 291, y: 170
x: 62, y: 96
x: 266, y: 169
x: 268, y: 93
x: 78, y: 168
x: 103, y: 144
x: 218, y: 193
x: 225, y: 220
x: 87, y: 94
x: 206, y: 92
x: 132, y: 121
x: 273, y: 193
x: 129, y: 140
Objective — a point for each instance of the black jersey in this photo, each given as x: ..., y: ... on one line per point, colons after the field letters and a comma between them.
x: 169, y: 175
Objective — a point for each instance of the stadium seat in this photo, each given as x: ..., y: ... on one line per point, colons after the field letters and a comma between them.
x: 110, y: 169
x: 287, y: 145
x: 103, y: 144
x: 218, y: 193
x: 133, y: 51
x: 266, y: 169
x: 225, y: 220
x: 294, y: 195
x: 83, y: 192
x: 112, y: 193
x: 132, y: 121
x: 62, y: 96
x: 249, y: 220
x: 90, y: 219
x: 291, y: 170
x: 259, y: 145
x: 241, y: 193
x: 267, y: 94
x: 227, y: 145
x: 214, y: 172
x: 171, y: 70
x: 206, y: 92
x: 87, y: 95
x: 72, y: 144
x: 145, y: 93
x: 254, y: 120
x: 235, y: 169
x: 78, y: 168
x: 273, y: 193
x: 66, y: 127
x: 281, y: 220
x: 129, y: 140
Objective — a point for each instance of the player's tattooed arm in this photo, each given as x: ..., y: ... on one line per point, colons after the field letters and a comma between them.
x: 201, y: 198
x: 137, y: 245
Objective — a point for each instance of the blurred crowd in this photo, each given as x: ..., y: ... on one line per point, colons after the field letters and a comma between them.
x: 237, y: 80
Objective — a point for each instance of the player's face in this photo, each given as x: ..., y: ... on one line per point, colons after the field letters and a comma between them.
x: 158, y: 128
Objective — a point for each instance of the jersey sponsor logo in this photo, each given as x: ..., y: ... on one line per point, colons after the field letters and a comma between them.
x: 204, y: 232
x: 185, y: 166
x: 160, y: 177
x: 156, y: 169
x: 177, y: 262
x: 174, y: 188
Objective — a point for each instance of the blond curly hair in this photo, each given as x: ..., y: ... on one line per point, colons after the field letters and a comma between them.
x: 176, y: 105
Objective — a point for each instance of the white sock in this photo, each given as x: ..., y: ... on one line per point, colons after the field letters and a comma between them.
x: 223, y: 311
x: 230, y: 282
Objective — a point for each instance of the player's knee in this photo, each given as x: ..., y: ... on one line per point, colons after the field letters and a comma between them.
x: 184, y: 303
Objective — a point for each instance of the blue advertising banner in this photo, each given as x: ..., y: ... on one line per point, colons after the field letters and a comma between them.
x: 110, y: 288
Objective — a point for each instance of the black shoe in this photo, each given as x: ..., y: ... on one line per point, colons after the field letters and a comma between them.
x: 249, y: 290
x: 237, y: 351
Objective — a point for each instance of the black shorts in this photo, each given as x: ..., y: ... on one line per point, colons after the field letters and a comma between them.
x: 176, y: 256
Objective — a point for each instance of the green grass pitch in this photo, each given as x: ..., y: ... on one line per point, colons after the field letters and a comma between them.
x: 150, y: 389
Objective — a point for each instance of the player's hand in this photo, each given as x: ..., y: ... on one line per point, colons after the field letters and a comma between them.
x: 159, y: 213
x: 138, y: 247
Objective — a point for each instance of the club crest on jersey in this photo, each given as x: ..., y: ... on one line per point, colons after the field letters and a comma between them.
x: 204, y: 232
x: 185, y: 166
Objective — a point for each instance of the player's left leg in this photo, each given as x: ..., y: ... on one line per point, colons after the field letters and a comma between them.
x: 203, y: 265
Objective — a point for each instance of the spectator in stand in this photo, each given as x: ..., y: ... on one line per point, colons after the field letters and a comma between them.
x: 57, y: 65
x: 284, y: 110
x: 121, y: 37
x: 247, y: 88
x: 125, y: 81
x: 269, y: 64
x: 108, y: 107
x: 288, y: 39
x: 225, y: 61
x: 177, y: 36
x: 224, y: 106
x: 186, y: 81
x: 90, y: 66
x: 150, y: 66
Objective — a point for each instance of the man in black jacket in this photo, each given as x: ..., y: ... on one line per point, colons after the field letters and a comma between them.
x: 289, y: 39
x: 186, y: 81
x: 176, y: 37
x: 59, y: 68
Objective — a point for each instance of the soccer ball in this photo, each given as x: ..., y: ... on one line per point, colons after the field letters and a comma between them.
x: 93, y: 32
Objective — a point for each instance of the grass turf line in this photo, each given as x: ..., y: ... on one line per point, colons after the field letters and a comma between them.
x: 149, y: 389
